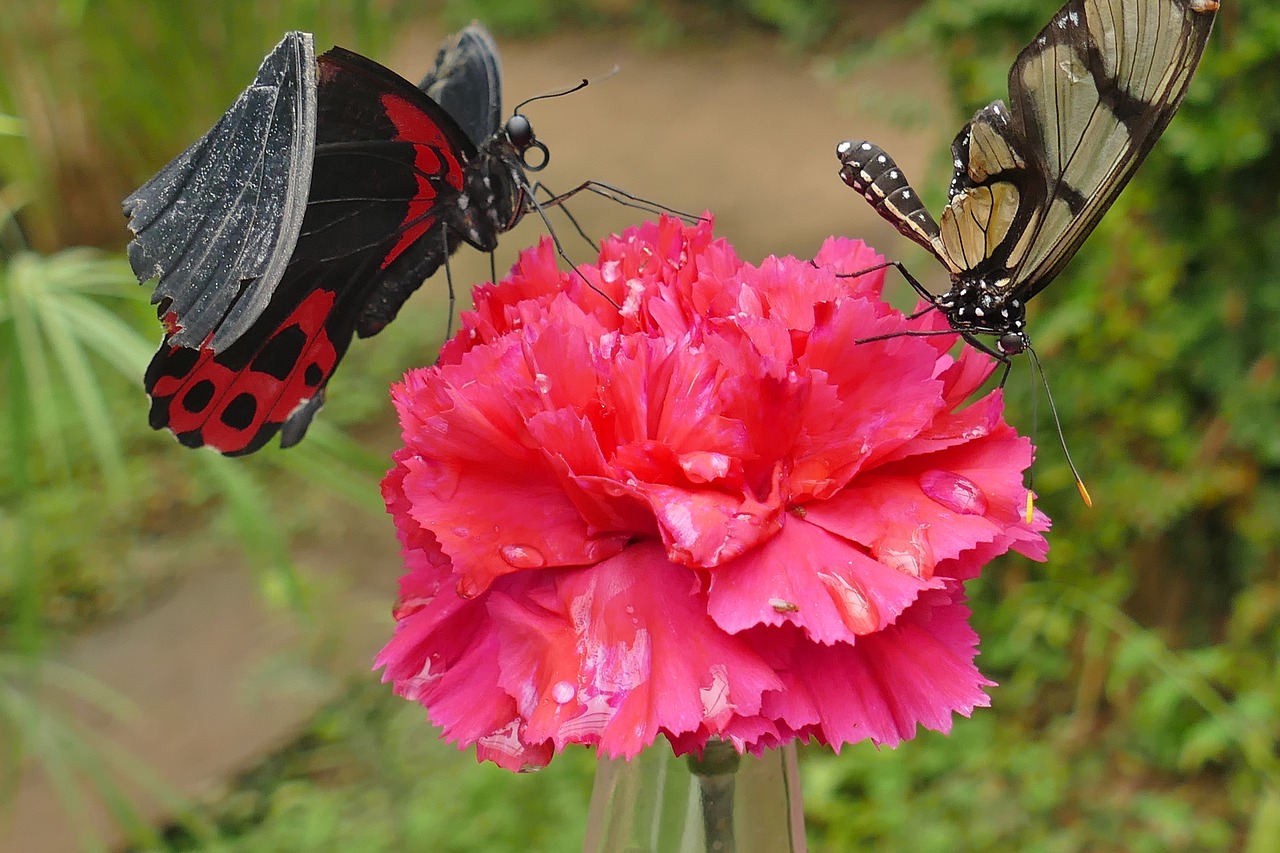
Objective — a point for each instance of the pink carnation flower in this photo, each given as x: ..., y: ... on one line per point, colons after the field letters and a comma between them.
x: 708, y: 513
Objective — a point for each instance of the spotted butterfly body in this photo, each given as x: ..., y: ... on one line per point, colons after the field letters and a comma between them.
x: 311, y: 211
x: 1089, y: 97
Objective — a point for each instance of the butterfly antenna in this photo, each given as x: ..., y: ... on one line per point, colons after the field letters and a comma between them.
x: 584, y: 84
x: 1035, y: 431
x: 1057, y: 422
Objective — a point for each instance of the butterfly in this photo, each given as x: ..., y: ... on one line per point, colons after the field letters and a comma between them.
x: 327, y: 193
x: 1088, y: 97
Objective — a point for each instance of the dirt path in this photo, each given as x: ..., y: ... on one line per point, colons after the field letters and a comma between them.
x: 740, y: 129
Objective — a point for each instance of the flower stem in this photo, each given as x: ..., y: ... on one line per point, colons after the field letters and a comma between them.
x: 716, y: 771
x: 719, y: 802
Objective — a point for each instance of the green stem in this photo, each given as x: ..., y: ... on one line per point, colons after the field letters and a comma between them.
x: 716, y: 770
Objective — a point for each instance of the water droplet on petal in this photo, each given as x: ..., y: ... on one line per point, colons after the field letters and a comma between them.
x: 857, y: 611
x: 903, y: 561
x: 522, y: 556
x: 562, y: 692
x: 406, y: 607
x: 505, y: 740
x: 956, y: 493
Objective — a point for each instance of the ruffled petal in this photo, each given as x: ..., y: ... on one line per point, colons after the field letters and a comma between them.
x: 625, y: 648
x: 674, y: 494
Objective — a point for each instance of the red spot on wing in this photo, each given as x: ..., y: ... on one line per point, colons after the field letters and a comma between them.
x: 435, y: 156
x: 237, y: 410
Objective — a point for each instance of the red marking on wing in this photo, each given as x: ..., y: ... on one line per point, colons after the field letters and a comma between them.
x: 172, y: 325
x: 222, y: 422
x: 434, y: 155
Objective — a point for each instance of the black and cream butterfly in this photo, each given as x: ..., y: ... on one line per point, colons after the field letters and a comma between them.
x: 1089, y: 97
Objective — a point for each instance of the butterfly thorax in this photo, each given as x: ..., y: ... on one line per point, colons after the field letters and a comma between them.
x: 494, y: 195
x: 982, y: 305
x: 491, y: 201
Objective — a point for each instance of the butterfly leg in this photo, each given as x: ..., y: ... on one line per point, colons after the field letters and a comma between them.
x: 551, y: 196
x: 911, y: 280
x: 910, y: 333
x: 915, y: 285
x: 448, y: 280
x: 978, y: 344
x: 624, y: 198
x: 541, y: 210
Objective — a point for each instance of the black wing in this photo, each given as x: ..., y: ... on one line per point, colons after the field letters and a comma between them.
x: 219, y: 223
x: 467, y: 82
x: 389, y: 167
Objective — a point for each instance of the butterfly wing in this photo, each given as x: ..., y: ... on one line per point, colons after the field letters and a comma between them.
x: 993, y: 197
x: 1090, y: 97
x: 388, y: 163
x: 219, y: 223
x: 467, y: 81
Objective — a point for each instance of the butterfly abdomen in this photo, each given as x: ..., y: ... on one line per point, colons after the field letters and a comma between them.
x: 868, y: 169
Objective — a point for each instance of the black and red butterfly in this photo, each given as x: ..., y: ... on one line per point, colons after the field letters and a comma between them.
x: 327, y: 193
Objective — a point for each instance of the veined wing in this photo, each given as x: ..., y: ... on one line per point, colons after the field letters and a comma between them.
x: 1090, y: 96
x: 993, y: 198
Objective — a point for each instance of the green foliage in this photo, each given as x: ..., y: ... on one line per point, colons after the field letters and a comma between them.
x: 371, y: 777
x: 111, y: 89
x: 84, y: 485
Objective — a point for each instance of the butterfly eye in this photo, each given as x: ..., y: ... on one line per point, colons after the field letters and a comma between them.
x: 1012, y: 343
x: 520, y: 132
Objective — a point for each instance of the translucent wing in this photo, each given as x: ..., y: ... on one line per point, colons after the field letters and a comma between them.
x: 993, y: 197
x: 219, y: 223
x: 1090, y: 97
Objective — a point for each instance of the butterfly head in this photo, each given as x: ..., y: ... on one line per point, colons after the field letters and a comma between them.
x: 1013, y: 343
x: 519, y: 132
